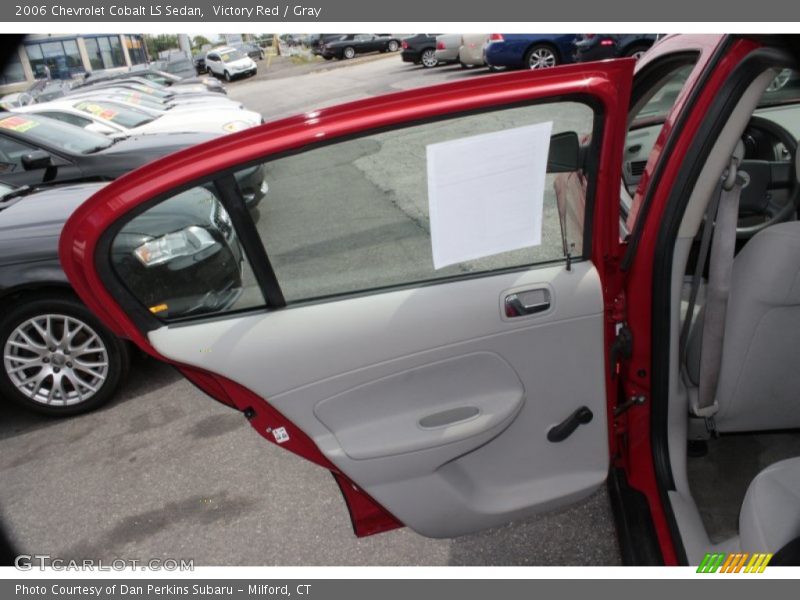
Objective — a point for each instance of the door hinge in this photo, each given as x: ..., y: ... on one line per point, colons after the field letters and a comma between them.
x: 632, y: 401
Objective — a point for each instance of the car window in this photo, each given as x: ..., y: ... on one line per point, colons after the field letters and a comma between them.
x: 115, y: 113
x: 182, y: 258
x: 68, y: 118
x: 645, y: 123
x: 231, y: 55
x: 11, y: 153
x: 54, y: 134
x: 353, y: 216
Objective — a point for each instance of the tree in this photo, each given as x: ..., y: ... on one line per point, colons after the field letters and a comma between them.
x: 198, y: 41
x: 160, y: 42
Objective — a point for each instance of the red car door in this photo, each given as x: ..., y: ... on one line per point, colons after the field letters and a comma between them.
x: 445, y: 392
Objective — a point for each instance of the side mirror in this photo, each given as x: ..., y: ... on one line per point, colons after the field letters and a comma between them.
x: 565, y: 153
x: 38, y: 159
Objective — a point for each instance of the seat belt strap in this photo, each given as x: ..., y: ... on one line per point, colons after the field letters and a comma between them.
x: 700, y: 265
x: 723, y: 248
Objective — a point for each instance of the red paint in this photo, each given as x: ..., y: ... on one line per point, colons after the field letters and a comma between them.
x: 609, y: 84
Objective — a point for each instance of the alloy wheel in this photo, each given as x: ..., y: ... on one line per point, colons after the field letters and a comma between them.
x: 429, y: 58
x: 542, y: 58
x: 56, y: 360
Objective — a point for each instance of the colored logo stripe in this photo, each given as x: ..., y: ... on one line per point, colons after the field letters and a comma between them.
x: 734, y: 562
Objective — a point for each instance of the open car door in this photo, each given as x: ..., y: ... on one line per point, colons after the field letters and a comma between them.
x: 288, y: 271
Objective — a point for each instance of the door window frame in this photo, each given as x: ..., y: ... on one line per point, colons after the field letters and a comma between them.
x: 256, y: 252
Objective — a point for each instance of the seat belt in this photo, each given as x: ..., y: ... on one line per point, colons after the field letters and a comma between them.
x: 720, y: 269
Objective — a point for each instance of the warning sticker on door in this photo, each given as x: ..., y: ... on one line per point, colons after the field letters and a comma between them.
x: 281, y: 435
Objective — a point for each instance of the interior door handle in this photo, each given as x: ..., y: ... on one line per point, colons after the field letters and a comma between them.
x: 527, y: 303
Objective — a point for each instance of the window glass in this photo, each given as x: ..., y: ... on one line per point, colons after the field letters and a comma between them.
x: 54, y: 59
x: 105, y: 52
x: 353, y: 216
x: 13, y: 71
x: 68, y: 118
x: 231, y: 55
x: 11, y: 153
x: 118, y: 114
x: 645, y: 126
x: 182, y: 258
x: 54, y: 134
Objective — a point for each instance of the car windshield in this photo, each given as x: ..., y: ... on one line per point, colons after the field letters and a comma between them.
x: 231, y: 55
x: 5, y: 189
x: 54, y: 134
x: 784, y: 89
x: 119, y: 114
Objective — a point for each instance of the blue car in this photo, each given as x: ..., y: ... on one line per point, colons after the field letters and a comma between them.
x: 529, y: 51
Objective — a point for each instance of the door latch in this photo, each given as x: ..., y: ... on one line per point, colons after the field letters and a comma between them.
x: 621, y: 348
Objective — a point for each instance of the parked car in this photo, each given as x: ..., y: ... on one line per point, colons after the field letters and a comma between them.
x: 59, y: 359
x: 138, y: 99
x: 35, y: 148
x: 535, y: 383
x: 470, y: 54
x: 229, y: 63
x: 350, y: 45
x: 181, y: 67
x: 254, y: 51
x: 115, y: 119
x: 447, y: 47
x: 316, y: 41
x: 420, y: 49
x: 529, y: 51
x: 156, y: 77
x: 599, y: 46
x: 199, y: 61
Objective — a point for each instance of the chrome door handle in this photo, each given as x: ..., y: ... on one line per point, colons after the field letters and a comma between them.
x: 527, y: 303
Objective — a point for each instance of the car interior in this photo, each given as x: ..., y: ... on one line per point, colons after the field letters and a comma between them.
x: 733, y: 417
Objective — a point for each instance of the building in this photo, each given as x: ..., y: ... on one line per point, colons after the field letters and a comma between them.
x: 65, y: 56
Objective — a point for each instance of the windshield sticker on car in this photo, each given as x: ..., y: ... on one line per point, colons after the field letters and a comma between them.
x: 483, y: 202
x: 95, y: 109
x: 18, y: 124
x: 134, y: 98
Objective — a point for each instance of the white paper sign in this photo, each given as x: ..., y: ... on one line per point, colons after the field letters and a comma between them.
x: 486, y: 193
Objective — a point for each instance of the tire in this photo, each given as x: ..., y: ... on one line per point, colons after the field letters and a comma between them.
x: 541, y: 56
x: 26, y: 332
x: 349, y: 53
x: 636, y: 51
x: 393, y: 46
x: 428, y: 58
x: 227, y: 76
x: 327, y: 57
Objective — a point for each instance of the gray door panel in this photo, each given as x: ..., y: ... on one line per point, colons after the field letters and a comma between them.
x: 431, y: 399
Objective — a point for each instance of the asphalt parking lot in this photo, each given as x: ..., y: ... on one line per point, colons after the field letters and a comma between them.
x: 165, y: 472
